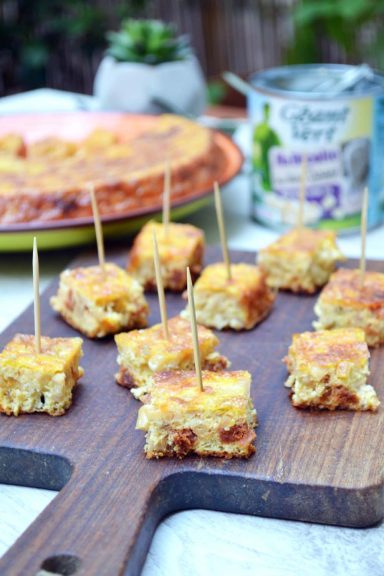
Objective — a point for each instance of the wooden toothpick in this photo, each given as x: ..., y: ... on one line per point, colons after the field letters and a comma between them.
x: 160, y: 288
x: 223, y: 235
x: 285, y: 211
x: 98, y: 228
x: 36, y: 296
x: 364, y: 212
x: 195, y: 337
x: 167, y: 198
x: 303, y: 182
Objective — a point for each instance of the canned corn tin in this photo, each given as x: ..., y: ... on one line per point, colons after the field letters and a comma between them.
x: 333, y: 119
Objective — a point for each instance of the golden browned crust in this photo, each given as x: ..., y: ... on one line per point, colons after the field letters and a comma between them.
x: 217, y: 363
x: 176, y: 279
x: 236, y: 433
x: 173, y: 381
x: 142, y: 353
x: 126, y: 177
x: 126, y: 379
x: 340, y: 397
x: 181, y: 419
x: 170, y: 453
x: 344, y: 289
x: 328, y: 348
x: 238, y: 303
x: 304, y: 240
x: 180, y: 337
x: 329, y: 371
x: 250, y: 449
x: 333, y: 398
x: 39, y: 382
x: 182, y: 248
x: 52, y: 349
x: 98, y: 301
x: 52, y: 412
x: 138, y: 319
x: 257, y: 302
x: 171, y: 354
x: 344, y: 302
x: 300, y: 261
x: 183, y: 444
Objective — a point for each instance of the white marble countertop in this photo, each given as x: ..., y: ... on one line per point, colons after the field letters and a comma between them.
x: 198, y: 542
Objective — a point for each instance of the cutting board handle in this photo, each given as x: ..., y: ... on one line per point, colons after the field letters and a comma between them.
x: 102, y: 523
x: 93, y: 526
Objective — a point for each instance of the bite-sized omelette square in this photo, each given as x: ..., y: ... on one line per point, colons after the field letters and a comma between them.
x: 239, y: 303
x: 98, y: 302
x: 301, y: 260
x: 31, y: 382
x: 182, y: 247
x: 344, y: 302
x: 141, y: 353
x: 180, y: 419
x: 329, y: 370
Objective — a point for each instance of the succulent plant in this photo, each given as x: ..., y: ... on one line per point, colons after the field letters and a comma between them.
x: 148, y: 42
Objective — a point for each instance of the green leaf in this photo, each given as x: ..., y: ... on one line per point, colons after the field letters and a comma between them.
x: 357, y: 10
x: 304, y: 49
x: 150, y: 41
x: 311, y: 11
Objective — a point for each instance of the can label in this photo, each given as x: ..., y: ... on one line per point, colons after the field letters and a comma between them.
x: 342, y: 144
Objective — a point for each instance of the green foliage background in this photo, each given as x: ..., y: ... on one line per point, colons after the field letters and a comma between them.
x: 60, y: 42
x: 34, y: 31
x: 339, y: 22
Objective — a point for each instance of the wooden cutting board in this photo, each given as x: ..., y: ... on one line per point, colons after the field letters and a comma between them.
x: 318, y: 467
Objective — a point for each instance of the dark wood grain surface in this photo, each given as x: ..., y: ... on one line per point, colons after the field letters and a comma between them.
x: 318, y: 467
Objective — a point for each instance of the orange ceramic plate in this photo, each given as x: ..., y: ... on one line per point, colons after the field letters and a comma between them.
x: 77, y: 231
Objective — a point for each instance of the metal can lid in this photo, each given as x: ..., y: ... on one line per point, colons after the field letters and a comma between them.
x: 312, y: 81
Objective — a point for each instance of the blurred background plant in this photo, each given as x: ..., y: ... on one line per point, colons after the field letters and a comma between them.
x: 355, y: 27
x: 147, y: 42
x: 56, y: 43
x: 60, y: 44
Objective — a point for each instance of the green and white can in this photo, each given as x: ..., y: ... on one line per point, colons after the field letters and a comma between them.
x: 331, y: 117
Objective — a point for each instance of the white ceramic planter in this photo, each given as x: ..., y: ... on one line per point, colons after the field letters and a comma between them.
x: 132, y: 87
